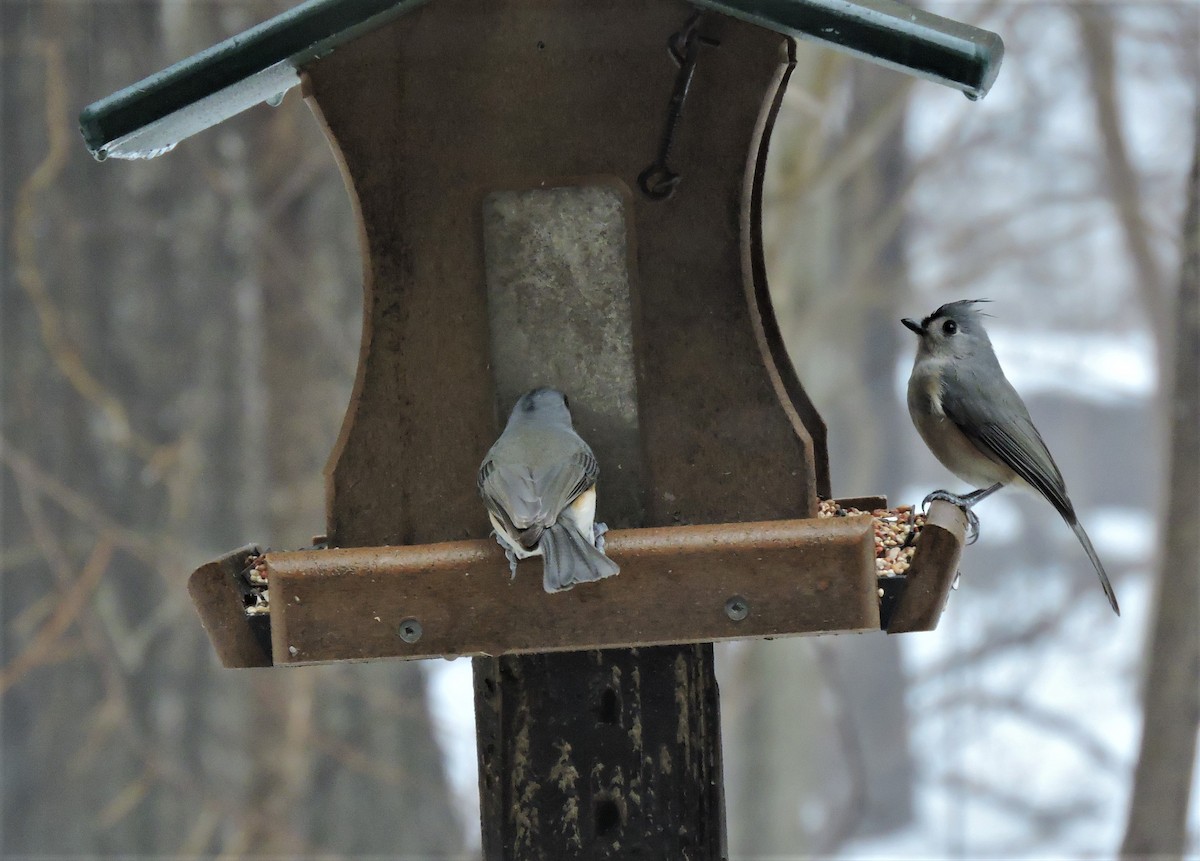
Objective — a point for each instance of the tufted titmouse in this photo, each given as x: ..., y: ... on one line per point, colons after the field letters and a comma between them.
x: 539, y: 484
x: 976, y: 424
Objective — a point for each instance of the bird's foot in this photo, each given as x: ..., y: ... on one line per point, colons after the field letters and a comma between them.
x: 963, y: 501
x: 964, y: 504
x: 598, y: 530
x: 508, y: 554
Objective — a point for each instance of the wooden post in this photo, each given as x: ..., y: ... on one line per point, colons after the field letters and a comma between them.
x: 605, y: 754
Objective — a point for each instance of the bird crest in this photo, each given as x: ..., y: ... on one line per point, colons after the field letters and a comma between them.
x: 963, y: 309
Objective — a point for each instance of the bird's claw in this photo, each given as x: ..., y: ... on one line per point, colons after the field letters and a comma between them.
x: 972, y: 534
x: 964, y: 505
x: 509, y: 555
x: 598, y: 530
x: 944, y: 496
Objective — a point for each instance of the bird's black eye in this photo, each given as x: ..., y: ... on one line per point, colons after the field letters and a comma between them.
x: 949, y: 327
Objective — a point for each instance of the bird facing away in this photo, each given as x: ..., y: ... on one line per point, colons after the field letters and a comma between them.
x: 976, y: 424
x: 539, y: 485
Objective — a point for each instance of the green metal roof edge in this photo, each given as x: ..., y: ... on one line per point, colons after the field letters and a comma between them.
x: 291, y: 38
x: 150, y: 116
x: 892, y: 34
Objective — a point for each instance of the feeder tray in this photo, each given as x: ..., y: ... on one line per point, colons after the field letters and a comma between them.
x: 678, y: 584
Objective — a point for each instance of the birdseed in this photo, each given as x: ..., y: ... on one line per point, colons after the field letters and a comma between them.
x: 896, y: 531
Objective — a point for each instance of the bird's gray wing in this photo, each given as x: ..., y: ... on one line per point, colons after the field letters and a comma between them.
x: 992, y: 415
x: 493, y: 489
x: 559, y: 483
x: 528, y: 500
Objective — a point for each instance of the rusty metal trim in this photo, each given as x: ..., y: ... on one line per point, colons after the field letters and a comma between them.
x: 679, y: 584
x: 455, y: 598
x: 800, y: 410
x: 216, y: 591
x: 862, y: 503
x: 934, y: 567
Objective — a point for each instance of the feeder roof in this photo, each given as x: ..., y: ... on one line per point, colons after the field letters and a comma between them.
x: 150, y: 117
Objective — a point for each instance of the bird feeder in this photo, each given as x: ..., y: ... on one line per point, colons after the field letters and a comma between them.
x: 564, y: 194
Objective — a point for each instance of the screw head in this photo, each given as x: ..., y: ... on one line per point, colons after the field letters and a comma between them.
x: 737, y: 608
x: 409, y: 630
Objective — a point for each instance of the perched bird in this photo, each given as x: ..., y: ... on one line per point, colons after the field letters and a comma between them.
x: 539, y: 485
x: 976, y: 424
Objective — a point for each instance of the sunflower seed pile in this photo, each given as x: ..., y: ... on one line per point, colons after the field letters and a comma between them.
x: 258, y: 599
x: 896, y: 531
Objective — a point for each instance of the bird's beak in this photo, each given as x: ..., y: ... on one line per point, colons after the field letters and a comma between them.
x: 914, y: 325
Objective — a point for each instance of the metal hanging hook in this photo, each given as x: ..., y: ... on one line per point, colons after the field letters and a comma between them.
x: 658, y: 181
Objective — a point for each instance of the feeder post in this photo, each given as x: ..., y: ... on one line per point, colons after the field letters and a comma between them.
x: 603, y: 754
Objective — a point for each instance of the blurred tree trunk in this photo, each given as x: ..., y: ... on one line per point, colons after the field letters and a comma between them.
x: 775, y: 727
x: 179, y: 339
x: 1096, y: 26
x: 872, y: 268
x: 790, y: 784
x: 1158, y: 812
x: 1157, y: 822
x: 817, y: 741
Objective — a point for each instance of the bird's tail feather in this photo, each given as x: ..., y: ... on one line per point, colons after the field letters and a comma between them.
x: 1077, y: 527
x: 529, y: 538
x: 568, y: 558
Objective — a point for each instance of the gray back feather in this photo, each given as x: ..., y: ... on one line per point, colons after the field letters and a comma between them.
x: 982, y: 403
x: 537, y: 467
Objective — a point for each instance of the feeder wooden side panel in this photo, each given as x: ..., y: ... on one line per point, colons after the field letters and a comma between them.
x: 797, y: 405
x: 458, y: 100
x: 794, y: 577
x: 724, y: 438
x: 214, y: 590
x: 935, y: 565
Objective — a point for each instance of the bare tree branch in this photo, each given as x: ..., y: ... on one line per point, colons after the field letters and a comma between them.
x: 1096, y: 30
x: 147, y: 548
x: 65, y: 612
x: 29, y: 275
x: 1075, y: 732
x: 1158, y: 812
x: 995, y: 643
x: 1047, y: 819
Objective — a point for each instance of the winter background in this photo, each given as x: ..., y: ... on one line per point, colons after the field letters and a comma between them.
x: 179, y: 339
